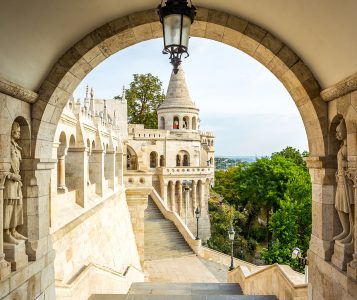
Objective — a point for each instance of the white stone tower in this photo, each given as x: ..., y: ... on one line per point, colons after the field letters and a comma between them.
x: 178, y: 112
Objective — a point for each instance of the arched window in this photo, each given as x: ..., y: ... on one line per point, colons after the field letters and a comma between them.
x: 131, y: 159
x: 186, y: 123
x: 153, y: 159
x: 176, y: 123
x: 162, y: 123
x: 184, y: 158
x: 162, y: 161
x: 178, y: 160
x: 194, y: 123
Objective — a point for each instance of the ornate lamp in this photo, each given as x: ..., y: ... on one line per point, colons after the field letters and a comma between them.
x: 303, y: 261
x: 176, y: 18
x: 231, y: 234
x: 198, y: 214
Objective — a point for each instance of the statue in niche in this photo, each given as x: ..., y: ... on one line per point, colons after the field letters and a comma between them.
x: 13, y: 207
x: 344, y: 193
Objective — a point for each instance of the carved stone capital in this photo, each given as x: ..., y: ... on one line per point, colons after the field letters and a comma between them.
x: 340, y: 89
x: 321, y: 162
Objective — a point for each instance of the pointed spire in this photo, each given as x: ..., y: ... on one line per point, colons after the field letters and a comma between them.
x: 86, y: 92
x: 177, y: 95
x: 105, y: 112
x: 91, y: 103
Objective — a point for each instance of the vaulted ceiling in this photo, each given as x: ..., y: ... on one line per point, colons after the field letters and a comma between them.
x: 34, y: 34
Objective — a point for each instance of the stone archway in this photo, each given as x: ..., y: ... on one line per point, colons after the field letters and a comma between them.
x: 123, y: 32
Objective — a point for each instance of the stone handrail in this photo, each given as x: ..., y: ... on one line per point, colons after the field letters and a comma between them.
x: 77, y: 288
x: 225, y: 259
x: 278, y: 280
x: 195, y: 245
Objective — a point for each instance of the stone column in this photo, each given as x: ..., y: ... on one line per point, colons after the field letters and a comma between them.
x: 180, y: 196
x: 77, y: 164
x: 164, y: 192
x: 96, y: 170
x: 119, y: 168
x: 172, y: 197
x: 61, y: 169
x: 5, y: 268
x: 110, y: 168
x: 194, y: 195
x: 324, y: 218
x: 137, y: 199
x: 202, y: 195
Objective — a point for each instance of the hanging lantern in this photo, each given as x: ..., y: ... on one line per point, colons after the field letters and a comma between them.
x: 176, y: 18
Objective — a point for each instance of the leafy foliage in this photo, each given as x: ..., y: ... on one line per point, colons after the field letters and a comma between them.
x: 274, y: 196
x: 144, y: 97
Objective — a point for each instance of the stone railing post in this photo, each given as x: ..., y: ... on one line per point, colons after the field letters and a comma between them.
x: 119, y: 166
x: 5, y: 267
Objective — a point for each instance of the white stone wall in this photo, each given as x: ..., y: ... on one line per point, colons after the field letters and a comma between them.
x: 102, y: 235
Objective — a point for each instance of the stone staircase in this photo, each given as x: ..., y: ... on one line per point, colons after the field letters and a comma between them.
x: 183, y: 291
x: 162, y: 239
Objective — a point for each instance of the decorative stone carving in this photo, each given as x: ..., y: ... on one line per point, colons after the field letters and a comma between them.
x: 13, y: 206
x: 17, y: 91
x: 340, y: 89
x: 343, y: 203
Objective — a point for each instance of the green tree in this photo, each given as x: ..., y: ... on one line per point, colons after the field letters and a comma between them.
x: 144, y: 96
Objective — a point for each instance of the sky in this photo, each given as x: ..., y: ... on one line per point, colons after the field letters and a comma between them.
x: 240, y: 101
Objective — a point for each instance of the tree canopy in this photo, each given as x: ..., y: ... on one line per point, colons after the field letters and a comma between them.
x: 144, y: 96
x: 271, y: 198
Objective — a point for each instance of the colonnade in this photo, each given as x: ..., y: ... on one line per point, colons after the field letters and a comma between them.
x: 181, y: 196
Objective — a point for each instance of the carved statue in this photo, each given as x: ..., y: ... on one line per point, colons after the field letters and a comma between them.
x: 13, y: 210
x: 344, y: 193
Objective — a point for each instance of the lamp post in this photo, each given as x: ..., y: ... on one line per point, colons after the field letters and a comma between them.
x: 231, y: 234
x: 296, y: 254
x: 176, y: 18
x: 198, y: 214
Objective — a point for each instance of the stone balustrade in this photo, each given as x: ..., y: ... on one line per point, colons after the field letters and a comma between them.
x: 186, y: 170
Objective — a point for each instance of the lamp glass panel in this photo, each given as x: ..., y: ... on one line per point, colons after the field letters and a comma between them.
x: 172, y: 28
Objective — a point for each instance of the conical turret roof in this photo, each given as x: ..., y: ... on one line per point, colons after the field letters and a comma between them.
x: 177, y: 95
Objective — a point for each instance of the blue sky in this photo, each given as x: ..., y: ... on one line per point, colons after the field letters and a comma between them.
x: 247, y: 108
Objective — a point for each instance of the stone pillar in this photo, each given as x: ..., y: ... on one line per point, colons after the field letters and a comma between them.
x: 5, y: 267
x: 110, y: 168
x: 119, y: 168
x: 180, y: 199
x: 202, y: 196
x: 96, y: 170
x: 77, y: 167
x: 61, y: 169
x: 137, y: 199
x: 194, y: 195
x: 172, y: 197
x: 324, y: 218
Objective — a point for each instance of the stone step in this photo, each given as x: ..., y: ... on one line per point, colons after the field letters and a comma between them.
x: 180, y: 297
x: 185, y: 288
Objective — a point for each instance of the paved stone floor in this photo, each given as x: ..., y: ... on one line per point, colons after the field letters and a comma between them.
x: 185, y: 269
